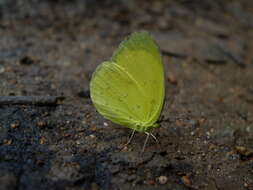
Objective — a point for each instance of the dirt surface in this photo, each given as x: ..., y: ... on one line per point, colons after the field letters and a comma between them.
x: 52, y: 48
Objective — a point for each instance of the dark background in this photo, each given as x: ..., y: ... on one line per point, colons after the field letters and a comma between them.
x: 52, y: 48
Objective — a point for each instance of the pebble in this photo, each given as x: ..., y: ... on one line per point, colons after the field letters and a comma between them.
x: 84, y: 94
x: 243, y: 151
x: 7, y: 142
x: 92, y: 136
x: 15, y: 124
x: 78, y: 142
x: 84, y: 122
x: 132, y: 177
x: 163, y: 24
x: 40, y: 162
x: 43, y: 140
x: 26, y: 60
x: 172, y: 80
x: 150, y: 182
x: 193, y: 122
x: 185, y: 179
x: 105, y: 124
x: 41, y: 124
x: 163, y: 180
x: 115, y: 169
x: 2, y: 69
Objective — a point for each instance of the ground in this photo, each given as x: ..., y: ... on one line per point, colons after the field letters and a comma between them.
x: 51, y: 48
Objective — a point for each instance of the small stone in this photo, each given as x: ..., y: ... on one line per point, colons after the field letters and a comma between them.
x: 163, y: 180
x: 40, y: 162
x: 150, y: 182
x: 70, y: 113
x: 38, y: 78
x: 84, y: 94
x: 115, y: 169
x: 125, y: 148
x: 64, y: 170
x: 211, y: 147
x: 172, y: 80
x: 26, y: 61
x: 179, y: 123
x: 93, y: 128
x: 92, y: 136
x: 2, y: 70
x: 78, y: 142
x: 163, y: 24
x: 41, y: 124
x: 185, y: 179
x: 105, y: 124
x: 7, y: 141
x: 67, y: 135
x: 43, y: 140
x: 202, y: 120
x: 193, y: 122
x: 84, y: 122
x: 15, y: 124
x: 243, y: 151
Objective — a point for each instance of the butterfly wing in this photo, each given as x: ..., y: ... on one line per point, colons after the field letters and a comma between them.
x: 114, y: 94
x: 140, y: 57
x: 129, y: 89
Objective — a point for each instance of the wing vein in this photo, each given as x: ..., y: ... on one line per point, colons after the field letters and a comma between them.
x: 131, y: 78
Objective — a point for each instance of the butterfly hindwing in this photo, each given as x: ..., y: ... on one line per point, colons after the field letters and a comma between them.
x: 115, y: 95
x: 129, y: 89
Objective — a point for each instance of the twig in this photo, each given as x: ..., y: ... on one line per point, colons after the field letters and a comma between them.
x: 30, y: 100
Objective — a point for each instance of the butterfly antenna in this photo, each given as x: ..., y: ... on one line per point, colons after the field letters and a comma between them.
x: 146, y: 140
x: 130, y: 139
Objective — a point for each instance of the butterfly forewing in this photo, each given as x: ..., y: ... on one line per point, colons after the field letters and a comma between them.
x: 140, y: 57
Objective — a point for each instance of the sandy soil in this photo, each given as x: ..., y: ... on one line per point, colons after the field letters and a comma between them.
x: 52, y: 48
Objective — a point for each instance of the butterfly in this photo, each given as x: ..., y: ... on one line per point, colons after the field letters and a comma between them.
x: 129, y: 89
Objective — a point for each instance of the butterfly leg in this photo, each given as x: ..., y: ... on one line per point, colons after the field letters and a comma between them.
x: 146, y: 140
x: 153, y: 136
x: 130, y: 139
